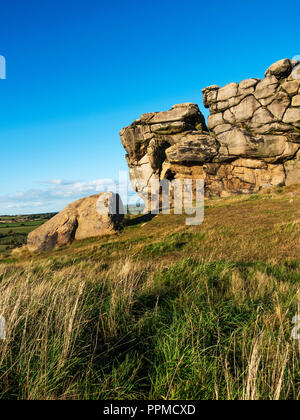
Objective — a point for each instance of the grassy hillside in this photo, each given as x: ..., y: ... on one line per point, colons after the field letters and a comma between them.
x: 14, y: 229
x: 160, y: 310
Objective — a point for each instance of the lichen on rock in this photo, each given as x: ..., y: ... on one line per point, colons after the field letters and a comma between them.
x: 79, y: 220
x: 251, y: 140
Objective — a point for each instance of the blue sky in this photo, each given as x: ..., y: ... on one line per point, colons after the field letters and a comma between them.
x: 78, y: 71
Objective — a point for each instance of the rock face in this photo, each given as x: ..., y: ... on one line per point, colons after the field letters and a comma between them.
x: 96, y: 215
x: 251, y: 141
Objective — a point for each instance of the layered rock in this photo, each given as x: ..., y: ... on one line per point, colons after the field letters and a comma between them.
x: 93, y: 216
x: 251, y: 141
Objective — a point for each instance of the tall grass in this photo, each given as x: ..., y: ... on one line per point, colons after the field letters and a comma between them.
x: 136, y: 329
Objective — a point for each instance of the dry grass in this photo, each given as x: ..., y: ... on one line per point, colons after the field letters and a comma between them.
x: 160, y: 310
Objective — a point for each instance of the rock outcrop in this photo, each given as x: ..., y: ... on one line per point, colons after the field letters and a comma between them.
x: 251, y: 141
x: 93, y: 216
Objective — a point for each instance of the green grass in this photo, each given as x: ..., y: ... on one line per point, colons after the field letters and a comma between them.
x: 14, y: 229
x: 160, y: 310
x: 189, y: 333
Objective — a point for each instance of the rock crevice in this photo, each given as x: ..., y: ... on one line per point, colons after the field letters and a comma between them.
x: 251, y: 140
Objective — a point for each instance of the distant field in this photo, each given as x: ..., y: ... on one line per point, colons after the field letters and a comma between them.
x: 14, y: 229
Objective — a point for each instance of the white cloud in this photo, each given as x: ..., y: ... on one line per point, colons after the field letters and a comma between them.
x: 56, y: 193
x: 57, y: 182
x: 23, y: 205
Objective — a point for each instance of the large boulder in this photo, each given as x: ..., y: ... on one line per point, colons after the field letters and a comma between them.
x: 92, y: 216
x: 251, y: 140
